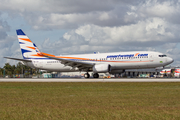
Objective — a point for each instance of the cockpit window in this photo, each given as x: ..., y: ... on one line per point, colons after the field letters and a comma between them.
x: 162, y: 55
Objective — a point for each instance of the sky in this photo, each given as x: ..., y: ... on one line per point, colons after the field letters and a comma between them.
x: 64, y: 27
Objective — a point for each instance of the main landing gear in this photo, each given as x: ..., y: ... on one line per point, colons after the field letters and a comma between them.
x: 86, y: 75
x: 95, y: 75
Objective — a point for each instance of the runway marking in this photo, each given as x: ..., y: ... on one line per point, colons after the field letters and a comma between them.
x: 88, y: 80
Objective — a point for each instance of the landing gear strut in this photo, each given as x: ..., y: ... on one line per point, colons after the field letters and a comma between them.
x: 86, y: 75
x: 95, y: 75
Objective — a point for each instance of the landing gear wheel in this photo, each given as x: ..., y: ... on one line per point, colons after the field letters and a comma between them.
x: 86, y: 75
x: 96, y: 75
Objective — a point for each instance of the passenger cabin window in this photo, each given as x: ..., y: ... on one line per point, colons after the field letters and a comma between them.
x: 162, y: 55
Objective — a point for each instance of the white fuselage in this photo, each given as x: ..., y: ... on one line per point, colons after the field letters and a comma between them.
x: 117, y: 61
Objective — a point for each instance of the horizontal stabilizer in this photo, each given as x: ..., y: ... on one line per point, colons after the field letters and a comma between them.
x: 18, y: 59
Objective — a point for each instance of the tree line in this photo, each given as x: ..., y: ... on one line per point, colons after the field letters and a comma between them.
x: 16, y: 70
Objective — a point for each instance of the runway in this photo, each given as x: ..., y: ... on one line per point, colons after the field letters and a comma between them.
x: 89, y: 80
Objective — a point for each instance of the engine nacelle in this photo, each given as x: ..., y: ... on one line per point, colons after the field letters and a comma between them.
x: 101, y: 68
x: 116, y: 71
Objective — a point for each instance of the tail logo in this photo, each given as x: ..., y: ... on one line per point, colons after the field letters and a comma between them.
x: 28, y: 48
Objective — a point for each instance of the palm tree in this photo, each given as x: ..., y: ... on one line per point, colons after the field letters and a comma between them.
x: 1, y: 72
x: 9, y: 70
x: 18, y: 69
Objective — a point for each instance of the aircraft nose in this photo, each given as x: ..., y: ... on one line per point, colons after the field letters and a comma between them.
x: 170, y: 60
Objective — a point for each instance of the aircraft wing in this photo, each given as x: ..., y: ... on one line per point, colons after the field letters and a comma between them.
x: 72, y: 63
x: 25, y: 60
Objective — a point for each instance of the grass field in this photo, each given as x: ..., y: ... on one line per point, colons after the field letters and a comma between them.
x: 89, y: 101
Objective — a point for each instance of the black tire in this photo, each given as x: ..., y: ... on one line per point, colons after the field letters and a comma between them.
x: 86, y: 75
x: 96, y: 75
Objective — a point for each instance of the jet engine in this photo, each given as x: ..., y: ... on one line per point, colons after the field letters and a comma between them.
x: 101, y: 68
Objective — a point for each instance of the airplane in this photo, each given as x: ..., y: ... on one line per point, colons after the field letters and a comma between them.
x: 165, y: 71
x: 114, y: 62
x: 177, y: 73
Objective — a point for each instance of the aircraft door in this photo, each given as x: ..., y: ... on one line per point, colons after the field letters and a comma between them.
x: 35, y: 63
x: 151, y: 58
x: 38, y: 64
x: 41, y: 64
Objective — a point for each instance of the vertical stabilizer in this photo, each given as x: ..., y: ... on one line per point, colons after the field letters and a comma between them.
x: 28, y: 48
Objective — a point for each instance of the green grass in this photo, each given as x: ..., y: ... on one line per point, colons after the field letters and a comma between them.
x: 89, y: 101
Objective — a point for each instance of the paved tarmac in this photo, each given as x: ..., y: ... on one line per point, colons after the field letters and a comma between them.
x: 89, y: 80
